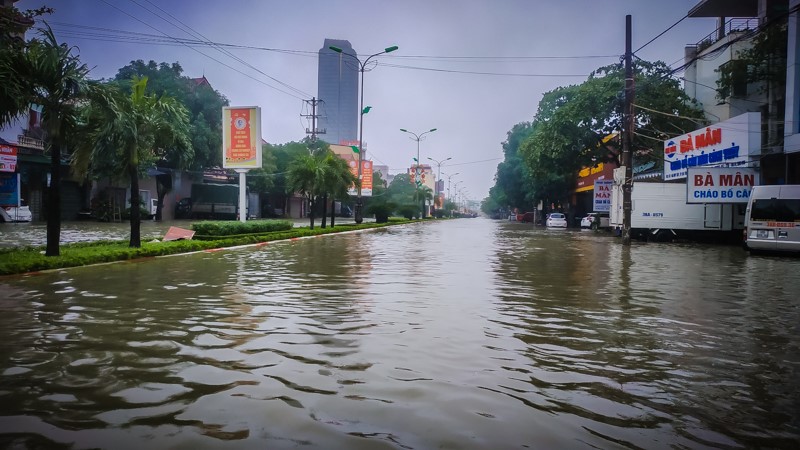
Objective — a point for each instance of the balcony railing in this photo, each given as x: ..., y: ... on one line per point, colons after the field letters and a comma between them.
x: 25, y: 141
x: 729, y: 27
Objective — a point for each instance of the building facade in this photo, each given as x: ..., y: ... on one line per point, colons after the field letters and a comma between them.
x: 739, y: 24
x: 337, y: 89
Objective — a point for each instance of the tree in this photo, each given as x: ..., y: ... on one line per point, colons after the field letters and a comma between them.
x: 306, y: 175
x: 401, y: 193
x: 380, y: 204
x: 423, y: 194
x: 572, y: 122
x: 204, y: 106
x: 283, y: 155
x: 338, y: 179
x: 45, y: 73
x: 129, y: 133
x: 513, y: 180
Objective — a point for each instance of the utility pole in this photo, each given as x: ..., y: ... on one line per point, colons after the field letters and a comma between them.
x: 627, y: 138
x: 313, y: 131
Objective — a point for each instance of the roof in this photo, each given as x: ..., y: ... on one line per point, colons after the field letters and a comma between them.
x: 343, y: 151
x: 197, y: 82
x: 725, y: 8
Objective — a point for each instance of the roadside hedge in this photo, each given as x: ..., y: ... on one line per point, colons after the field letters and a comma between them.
x: 230, y: 228
x: 32, y: 259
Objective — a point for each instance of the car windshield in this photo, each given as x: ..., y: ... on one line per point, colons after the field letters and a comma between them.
x: 556, y: 216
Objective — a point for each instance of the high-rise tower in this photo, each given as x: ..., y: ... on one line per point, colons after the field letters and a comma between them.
x: 337, y: 88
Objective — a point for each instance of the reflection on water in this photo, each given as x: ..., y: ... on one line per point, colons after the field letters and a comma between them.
x: 458, y: 334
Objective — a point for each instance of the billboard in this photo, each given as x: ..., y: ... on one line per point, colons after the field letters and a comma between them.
x: 241, y: 137
x: 602, y: 195
x: 731, y: 143
x: 9, y: 189
x: 8, y: 158
x: 366, y: 177
x: 720, y: 184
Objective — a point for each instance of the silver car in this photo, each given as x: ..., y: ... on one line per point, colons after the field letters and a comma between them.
x: 556, y: 220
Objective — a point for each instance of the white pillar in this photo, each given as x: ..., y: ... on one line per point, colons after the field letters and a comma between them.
x: 242, y: 194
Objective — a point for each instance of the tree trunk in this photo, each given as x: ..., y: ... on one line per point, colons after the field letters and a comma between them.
x: 54, y: 200
x: 136, y: 238
x: 311, y: 213
x: 162, y: 188
x: 324, y: 210
x: 333, y: 209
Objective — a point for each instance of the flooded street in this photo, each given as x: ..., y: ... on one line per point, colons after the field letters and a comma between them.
x: 459, y: 334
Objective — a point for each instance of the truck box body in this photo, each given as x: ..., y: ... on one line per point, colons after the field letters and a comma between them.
x: 660, y: 212
x: 215, y: 201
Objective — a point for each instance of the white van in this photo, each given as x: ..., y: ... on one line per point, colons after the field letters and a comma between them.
x: 772, y: 220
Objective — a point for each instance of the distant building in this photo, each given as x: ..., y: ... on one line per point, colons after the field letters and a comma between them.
x: 384, y: 171
x: 337, y: 88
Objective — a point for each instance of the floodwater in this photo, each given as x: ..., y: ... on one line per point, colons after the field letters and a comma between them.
x: 35, y: 233
x: 462, y: 334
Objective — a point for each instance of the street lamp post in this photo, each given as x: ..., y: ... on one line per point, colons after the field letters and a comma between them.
x: 439, y: 170
x: 449, y: 176
x: 418, y: 137
x: 359, y: 213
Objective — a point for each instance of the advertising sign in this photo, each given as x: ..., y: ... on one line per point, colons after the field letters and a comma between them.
x: 602, y: 195
x: 8, y: 158
x: 720, y: 184
x: 9, y: 189
x: 241, y: 137
x: 366, y: 177
x: 731, y: 143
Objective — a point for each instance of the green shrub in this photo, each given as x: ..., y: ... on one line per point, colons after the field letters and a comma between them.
x: 231, y: 228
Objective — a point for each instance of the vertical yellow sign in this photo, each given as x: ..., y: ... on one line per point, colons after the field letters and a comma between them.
x: 241, y: 137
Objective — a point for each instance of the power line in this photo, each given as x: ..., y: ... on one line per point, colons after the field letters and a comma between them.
x: 220, y: 49
x: 662, y: 33
x: 198, y: 51
x: 125, y: 36
x: 431, y: 69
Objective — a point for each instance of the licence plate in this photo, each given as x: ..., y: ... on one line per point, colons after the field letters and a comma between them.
x: 762, y: 234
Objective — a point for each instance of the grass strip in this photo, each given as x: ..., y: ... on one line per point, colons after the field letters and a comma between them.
x: 32, y: 259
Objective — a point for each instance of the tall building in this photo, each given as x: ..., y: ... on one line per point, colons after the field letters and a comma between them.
x: 337, y: 88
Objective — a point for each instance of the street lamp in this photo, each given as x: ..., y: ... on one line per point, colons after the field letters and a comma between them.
x: 448, y: 182
x: 438, y: 171
x: 359, y: 213
x: 418, y: 137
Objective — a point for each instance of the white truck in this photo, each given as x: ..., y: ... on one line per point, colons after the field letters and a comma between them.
x: 660, y: 213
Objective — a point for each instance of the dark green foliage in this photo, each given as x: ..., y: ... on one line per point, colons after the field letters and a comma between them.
x: 408, y: 211
x: 230, y: 228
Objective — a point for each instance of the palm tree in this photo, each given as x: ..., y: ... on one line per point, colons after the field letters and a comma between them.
x: 129, y: 133
x: 423, y: 194
x: 338, y: 179
x: 46, y: 73
x: 306, y: 175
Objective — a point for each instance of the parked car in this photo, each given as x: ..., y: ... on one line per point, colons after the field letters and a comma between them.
x: 556, y: 220
x: 595, y: 220
x: 17, y: 214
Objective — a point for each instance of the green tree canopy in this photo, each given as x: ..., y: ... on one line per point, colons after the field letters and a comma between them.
x: 204, y: 105
x: 45, y: 73
x: 572, y: 122
x: 129, y: 133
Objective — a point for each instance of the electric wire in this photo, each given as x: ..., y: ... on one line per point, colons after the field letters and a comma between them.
x: 661, y: 34
x: 220, y: 49
x: 198, y: 51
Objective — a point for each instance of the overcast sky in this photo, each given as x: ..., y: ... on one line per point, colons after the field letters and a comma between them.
x: 556, y: 43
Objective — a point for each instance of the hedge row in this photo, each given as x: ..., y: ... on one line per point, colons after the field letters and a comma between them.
x: 32, y: 259
x: 232, y: 228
